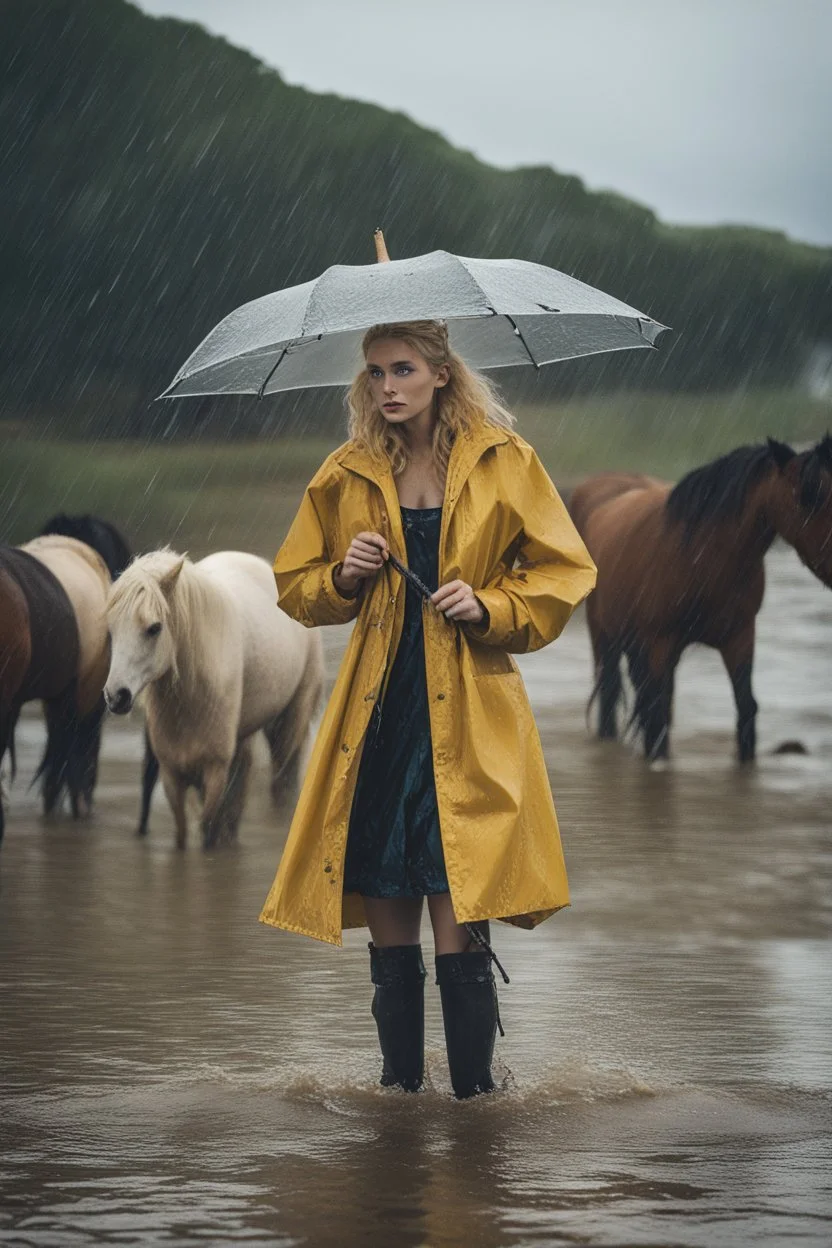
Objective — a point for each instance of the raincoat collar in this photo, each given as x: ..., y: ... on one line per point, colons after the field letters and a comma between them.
x: 465, y: 454
x: 467, y: 450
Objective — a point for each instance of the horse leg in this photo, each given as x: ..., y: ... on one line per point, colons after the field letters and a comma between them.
x: 607, y: 686
x: 176, y: 791
x: 738, y: 657
x: 234, y: 797
x: 288, y: 733
x: 652, y: 671
x: 214, y: 781
x: 82, y: 771
x: 6, y: 739
x: 61, y: 727
x: 150, y: 774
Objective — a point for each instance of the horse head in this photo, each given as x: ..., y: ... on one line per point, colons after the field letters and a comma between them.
x: 141, y: 614
x: 803, y: 503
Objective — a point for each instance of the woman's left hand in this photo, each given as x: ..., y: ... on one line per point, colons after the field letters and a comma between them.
x: 457, y: 602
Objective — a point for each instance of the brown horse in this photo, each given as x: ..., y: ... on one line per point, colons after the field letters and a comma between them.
x: 38, y: 653
x: 54, y: 646
x: 685, y: 564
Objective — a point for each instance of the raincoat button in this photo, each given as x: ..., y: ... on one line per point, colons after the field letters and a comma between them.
x: 440, y: 697
x: 345, y: 748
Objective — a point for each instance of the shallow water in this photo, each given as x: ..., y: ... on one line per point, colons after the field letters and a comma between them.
x: 175, y: 1073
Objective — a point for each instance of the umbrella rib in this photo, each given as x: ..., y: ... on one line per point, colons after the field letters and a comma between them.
x: 519, y: 333
x: 271, y: 373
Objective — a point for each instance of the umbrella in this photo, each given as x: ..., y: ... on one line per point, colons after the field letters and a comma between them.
x: 499, y: 313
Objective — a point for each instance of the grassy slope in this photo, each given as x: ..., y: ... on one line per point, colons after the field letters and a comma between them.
x: 204, y: 496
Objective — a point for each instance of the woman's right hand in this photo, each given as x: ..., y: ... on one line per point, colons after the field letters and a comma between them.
x: 365, y: 557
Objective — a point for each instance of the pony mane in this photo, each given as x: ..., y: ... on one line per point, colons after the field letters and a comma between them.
x: 138, y: 590
x: 718, y: 490
x: 194, y: 610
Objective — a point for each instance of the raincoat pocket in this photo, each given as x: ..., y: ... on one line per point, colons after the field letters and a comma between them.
x: 490, y: 661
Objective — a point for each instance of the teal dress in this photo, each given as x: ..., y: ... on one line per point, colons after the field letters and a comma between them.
x: 394, y: 847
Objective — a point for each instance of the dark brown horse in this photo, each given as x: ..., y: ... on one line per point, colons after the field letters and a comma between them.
x: 39, y: 653
x: 685, y: 564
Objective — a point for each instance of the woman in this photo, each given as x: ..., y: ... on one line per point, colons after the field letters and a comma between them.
x: 427, y: 778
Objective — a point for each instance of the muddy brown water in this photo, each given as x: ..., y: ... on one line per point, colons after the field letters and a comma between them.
x: 175, y: 1073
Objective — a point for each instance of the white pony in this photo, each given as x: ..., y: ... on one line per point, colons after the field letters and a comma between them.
x: 219, y: 662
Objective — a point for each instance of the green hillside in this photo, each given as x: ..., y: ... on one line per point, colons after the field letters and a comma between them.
x: 152, y: 177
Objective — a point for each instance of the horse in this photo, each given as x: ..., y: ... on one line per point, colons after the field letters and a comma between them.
x: 116, y: 553
x: 54, y: 647
x: 96, y: 532
x: 684, y: 564
x: 86, y: 581
x: 219, y: 662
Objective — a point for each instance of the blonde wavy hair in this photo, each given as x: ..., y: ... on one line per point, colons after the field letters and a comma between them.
x: 467, y: 401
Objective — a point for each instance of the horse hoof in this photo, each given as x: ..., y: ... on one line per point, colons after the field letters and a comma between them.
x: 790, y: 747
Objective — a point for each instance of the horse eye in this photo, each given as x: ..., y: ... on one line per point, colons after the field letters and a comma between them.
x: 153, y: 630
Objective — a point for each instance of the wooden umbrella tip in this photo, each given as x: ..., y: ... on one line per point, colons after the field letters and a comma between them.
x: 382, y: 255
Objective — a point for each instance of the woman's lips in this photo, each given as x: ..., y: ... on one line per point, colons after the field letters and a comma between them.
x: 392, y: 407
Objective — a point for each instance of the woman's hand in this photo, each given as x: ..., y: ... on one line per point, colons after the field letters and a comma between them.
x: 457, y: 602
x: 366, y: 555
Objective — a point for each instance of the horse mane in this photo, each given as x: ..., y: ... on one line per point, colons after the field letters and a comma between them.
x: 718, y: 490
x: 817, y: 462
x: 193, y: 610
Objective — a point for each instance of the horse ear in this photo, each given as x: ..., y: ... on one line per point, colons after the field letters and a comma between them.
x: 780, y: 453
x: 167, y: 583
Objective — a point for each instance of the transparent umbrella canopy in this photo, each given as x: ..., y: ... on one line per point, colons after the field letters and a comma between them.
x: 499, y: 313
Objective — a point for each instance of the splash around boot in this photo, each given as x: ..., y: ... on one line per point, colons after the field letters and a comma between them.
x: 427, y: 780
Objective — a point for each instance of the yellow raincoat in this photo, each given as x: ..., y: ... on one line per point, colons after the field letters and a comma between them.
x: 506, y: 532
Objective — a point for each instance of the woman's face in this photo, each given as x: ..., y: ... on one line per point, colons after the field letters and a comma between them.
x: 402, y: 382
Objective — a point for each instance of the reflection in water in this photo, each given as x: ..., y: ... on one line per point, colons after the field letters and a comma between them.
x: 175, y: 1073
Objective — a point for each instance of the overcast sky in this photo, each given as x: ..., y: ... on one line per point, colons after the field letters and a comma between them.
x: 707, y: 110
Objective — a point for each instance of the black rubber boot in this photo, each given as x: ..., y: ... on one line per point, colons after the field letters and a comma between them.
x: 469, y: 1009
x: 398, y: 973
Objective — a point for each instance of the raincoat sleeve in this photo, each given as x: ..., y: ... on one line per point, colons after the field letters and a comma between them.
x: 304, y: 564
x: 529, y: 604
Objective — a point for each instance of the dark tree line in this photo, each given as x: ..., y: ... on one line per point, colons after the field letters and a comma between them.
x: 152, y: 177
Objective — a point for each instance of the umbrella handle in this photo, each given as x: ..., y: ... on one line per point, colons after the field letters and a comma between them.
x: 415, y: 581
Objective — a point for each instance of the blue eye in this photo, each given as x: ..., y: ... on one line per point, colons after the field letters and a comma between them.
x: 403, y: 368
